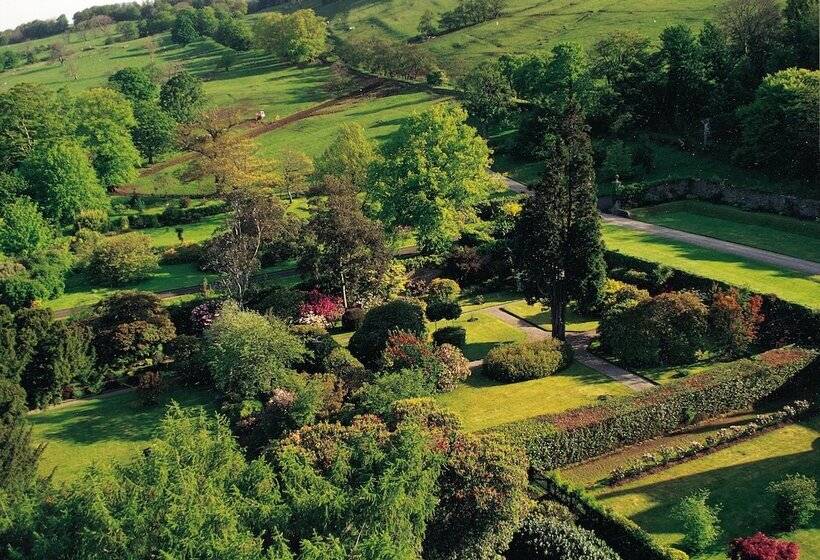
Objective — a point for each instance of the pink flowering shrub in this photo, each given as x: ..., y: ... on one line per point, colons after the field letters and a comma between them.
x: 318, y: 304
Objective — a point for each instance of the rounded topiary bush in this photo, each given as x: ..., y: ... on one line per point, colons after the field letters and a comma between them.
x: 438, y: 310
x: 352, y: 318
x: 527, y: 360
x: 370, y: 339
x: 457, y: 336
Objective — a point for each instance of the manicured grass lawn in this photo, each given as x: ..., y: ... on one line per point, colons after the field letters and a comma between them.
x: 781, y: 234
x: 102, y: 429
x: 483, y: 333
x: 737, y: 477
x: 483, y: 403
x: 165, y: 237
x: 543, y: 317
x: 735, y: 270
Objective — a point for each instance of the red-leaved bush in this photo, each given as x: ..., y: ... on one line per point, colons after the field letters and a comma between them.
x: 327, y: 307
x: 734, y: 320
x: 762, y: 547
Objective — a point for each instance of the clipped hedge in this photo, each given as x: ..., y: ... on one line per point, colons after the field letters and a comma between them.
x: 622, y: 535
x: 579, y: 434
x: 527, y: 360
x: 457, y: 336
x: 784, y: 322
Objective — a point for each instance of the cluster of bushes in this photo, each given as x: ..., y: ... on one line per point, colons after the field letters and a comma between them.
x: 394, y: 59
x: 783, y: 322
x: 667, y: 455
x: 35, y: 29
x: 471, y: 12
x: 175, y: 215
x: 620, y: 534
x: 191, y: 24
x: 298, y: 37
x: 527, y: 360
x: 671, y: 328
x: 561, y: 439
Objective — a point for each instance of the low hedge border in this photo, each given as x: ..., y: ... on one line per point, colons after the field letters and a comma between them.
x: 621, y: 534
x: 784, y: 322
x: 666, y: 456
x: 561, y: 439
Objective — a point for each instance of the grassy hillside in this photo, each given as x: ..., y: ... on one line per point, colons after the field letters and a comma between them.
x: 526, y: 25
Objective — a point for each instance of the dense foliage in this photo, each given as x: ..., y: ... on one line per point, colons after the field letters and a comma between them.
x: 527, y: 360
x: 370, y: 339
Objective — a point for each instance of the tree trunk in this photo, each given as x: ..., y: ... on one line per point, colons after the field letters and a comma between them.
x: 344, y: 289
x: 558, y: 309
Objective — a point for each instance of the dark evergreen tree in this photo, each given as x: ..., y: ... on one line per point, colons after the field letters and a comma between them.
x: 18, y: 456
x: 557, y: 239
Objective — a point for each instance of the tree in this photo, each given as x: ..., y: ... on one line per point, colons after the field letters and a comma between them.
x: 488, y: 96
x: 795, y: 501
x: 206, y: 21
x: 104, y: 118
x: 801, y: 32
x: 134, y: 83
x: 780, y: 127
x: 257, y: 218
x: 153, y: 134
x: 19, y: 455
x: 699, y: 520
x: 184, y: 30
x: 295, y: 169
x: 297, y: 37
x: 23, y: 230
x: 346, y: 252
x: 557, y: 239
x: 122, y: 259
x: 63, y: 181
x: 432, y: 173
x: 234, y: 33
x: 182, y: 96
x: 426, y: 26
x: 130, y: 330
x: 128, y: 30
x: 249, y: 354
x: 348, y: 157
x: 752, y: 27
x: 683, y: 73
x: 30, y: 116
x: 227, y: 59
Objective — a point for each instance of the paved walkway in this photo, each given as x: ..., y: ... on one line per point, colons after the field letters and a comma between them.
x: 579, y: 342
x: 760, y: 255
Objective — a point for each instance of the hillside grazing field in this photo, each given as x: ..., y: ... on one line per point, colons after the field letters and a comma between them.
x: 758, y: 277
x: 525, y: 26
x: 780, y: 234
x: 737, y: 477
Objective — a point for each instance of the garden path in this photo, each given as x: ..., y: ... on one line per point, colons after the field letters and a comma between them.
x: 579, y: 342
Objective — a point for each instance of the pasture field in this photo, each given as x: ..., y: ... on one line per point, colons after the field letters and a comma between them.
x: 483, y: 403
x: 755, y: 276
x: 737, y: 477
x: 102, y: 429
x: 780, y: 234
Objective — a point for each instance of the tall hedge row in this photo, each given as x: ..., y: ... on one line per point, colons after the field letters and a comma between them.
x: 579, y: 434
x: 621, y: 534
x: 784, y: 322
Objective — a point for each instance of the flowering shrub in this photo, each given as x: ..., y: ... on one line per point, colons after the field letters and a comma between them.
x: 203, y: 315
x: 444, y: 366
x: 762, y: 547
x: 320, y: 308
x: 666, y: 455
x: 456, y: 367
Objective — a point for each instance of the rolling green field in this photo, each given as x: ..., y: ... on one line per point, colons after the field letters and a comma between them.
x: 101, y: 429
x: 758, y: 277
x: 482, y: 403
x: 780, y: 234
x: 737, y: 477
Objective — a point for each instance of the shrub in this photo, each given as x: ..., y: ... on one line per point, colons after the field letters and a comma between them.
x: 556, y: 440
x: 618, y: 293
x: 762, y: 547
x: 466, y: 265
x: 457, y: 336
x: 699, y: 521
x: 183, y: 253
x: 667, y: 329
x: 190, y: 364
x: 123, y: 258
x: 96, y: 220
x: 435, y: 77
x: 319, y: 345
x: 370, y: 339
x: 341, y: 363
x: 795, y: 501
x: 352, y: 318
x: 378, y: 396
x: 456, y: 368
x: 276, y: 300
x: 734, y: 321
x: 319, y: 308
x: 438, y: 310
x: 149, y: 388
x: 443, y: 289
x: 544, y: 538
x: 527, y: 360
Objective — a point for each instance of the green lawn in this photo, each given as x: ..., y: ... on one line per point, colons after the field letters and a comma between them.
x: 483, y: 403
x: 543, y: 317
x: 101, y: 429
x: 164, y: 237
x: 735, y: 270
x: 737, y: 477
x: 483, y: 333
x: 781, y: 234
